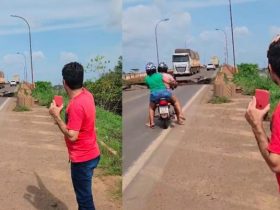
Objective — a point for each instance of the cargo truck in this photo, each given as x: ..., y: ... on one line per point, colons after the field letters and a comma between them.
x: 215, y: 61
x: 185, y: 62
x: 2, y: 79
x: 16, y: 78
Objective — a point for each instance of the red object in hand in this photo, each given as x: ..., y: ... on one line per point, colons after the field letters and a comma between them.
x: 262, y: 98
x: 58, y: 100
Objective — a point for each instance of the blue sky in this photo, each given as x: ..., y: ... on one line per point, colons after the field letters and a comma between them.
x: 192, y: 23
x: 62, y: 31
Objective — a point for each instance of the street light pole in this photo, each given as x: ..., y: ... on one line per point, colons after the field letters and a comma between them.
x: 232, y: 38
x: 226, y: 47
x: 25, y: 71
x: 30, y: 48
x: 163, y: 20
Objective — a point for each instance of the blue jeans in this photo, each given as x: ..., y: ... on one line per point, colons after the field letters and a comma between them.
x: 157, y: 95
x: 81, y: 174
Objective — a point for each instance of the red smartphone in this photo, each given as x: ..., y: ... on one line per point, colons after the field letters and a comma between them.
x: 262, y: 97
x: 58, y: 100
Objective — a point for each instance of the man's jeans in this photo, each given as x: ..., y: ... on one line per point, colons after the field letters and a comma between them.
x: 81, y: 174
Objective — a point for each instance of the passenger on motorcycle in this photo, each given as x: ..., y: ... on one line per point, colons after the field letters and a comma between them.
x: 170, y: 84
x: 157, y: 88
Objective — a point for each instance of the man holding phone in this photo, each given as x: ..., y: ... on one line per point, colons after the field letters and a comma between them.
x: 79, y: 133
x: 269, y: 147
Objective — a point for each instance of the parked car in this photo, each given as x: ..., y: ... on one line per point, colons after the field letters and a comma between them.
x: 210, y: 66
x: 13, y: 83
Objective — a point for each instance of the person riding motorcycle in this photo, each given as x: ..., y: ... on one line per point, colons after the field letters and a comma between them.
x: 171, y: 83
x: 158, y: 90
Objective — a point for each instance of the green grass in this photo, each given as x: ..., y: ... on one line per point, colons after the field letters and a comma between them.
x: 219, y: 100
x: 20, y: 108
x: 109, y: 130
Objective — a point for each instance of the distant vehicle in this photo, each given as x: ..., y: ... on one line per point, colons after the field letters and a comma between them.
x: 185, y: 62
x: 210, y: 66
x: 215, y: 61
x: 13, y: 83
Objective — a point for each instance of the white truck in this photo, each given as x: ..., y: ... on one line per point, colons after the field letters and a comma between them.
x: 185, y: 62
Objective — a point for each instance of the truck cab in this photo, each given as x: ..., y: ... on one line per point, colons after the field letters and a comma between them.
x: 181, y: 64
x: 185, y: 62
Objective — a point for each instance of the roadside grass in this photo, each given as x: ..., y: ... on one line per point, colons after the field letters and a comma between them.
x: 219, y: 100
x: 20, y: 108
x: 249, y: 80
x: 117, y: 192
x: 109, y: 131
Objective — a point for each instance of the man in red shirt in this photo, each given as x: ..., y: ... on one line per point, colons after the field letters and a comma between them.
x: 79, y: 133
x: 269, y: 148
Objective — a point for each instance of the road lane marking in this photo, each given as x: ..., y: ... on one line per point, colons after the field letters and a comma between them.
x: 4, y: 103
x: 140, y: 162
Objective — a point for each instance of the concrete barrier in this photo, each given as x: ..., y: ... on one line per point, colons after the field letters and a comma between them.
x: 223, y: 85
x: 24, y: 96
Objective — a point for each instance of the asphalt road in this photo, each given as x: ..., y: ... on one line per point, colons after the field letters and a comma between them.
x: 136, y: 135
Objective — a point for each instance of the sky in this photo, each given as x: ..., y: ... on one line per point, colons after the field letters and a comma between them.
x: 61, y: 32
x: 192, y: 24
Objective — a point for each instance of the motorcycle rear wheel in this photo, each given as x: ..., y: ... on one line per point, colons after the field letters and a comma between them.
x: 165, y: 123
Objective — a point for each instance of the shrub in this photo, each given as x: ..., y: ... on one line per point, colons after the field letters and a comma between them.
x: 249, y: 79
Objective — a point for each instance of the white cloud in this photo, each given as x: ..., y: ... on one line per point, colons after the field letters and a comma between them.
x: 209, y: 35
x: 241, y: 31
x: 139, y: 23
x: 66, y: 57
x: 183, y: 4
x: 54, y: 15
x: 12, y: 59
x: 38, y: 55
x: 201, y: 3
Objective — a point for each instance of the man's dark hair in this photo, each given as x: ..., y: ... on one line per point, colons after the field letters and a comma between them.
x: 273, y: 55
x: 73, y: 75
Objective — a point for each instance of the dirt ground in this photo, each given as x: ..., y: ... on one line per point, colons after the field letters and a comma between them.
x: 212, y: 162
x: 34, y: 166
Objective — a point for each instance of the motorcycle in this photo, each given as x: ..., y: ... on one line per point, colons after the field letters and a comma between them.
x: 166, y: 113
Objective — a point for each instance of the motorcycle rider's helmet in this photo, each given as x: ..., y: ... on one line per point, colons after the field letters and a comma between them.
x: 162, y: 67
x: 150, y: 68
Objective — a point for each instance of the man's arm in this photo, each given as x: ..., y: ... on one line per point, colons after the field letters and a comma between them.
x: 55, y: 113
x: 255, y: 119
x: 272, y: 159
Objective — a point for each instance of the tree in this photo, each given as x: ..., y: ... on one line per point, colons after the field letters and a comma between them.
x: 107, y: 90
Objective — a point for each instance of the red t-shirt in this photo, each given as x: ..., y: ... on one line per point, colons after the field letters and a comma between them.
x: 274, y: 144
x: 80, y: 116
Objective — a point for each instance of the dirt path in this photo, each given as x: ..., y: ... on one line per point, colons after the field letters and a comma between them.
x: 214, y: 165
x: 34, y: 166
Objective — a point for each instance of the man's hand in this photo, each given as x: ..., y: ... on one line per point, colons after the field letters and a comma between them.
x: 255, y: 116
x: 54, y: 110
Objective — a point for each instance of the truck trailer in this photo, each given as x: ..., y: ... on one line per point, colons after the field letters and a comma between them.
x: 215, y: 61
x: 185, y: 62
x: 2, y: 79
x: 16, y: 78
